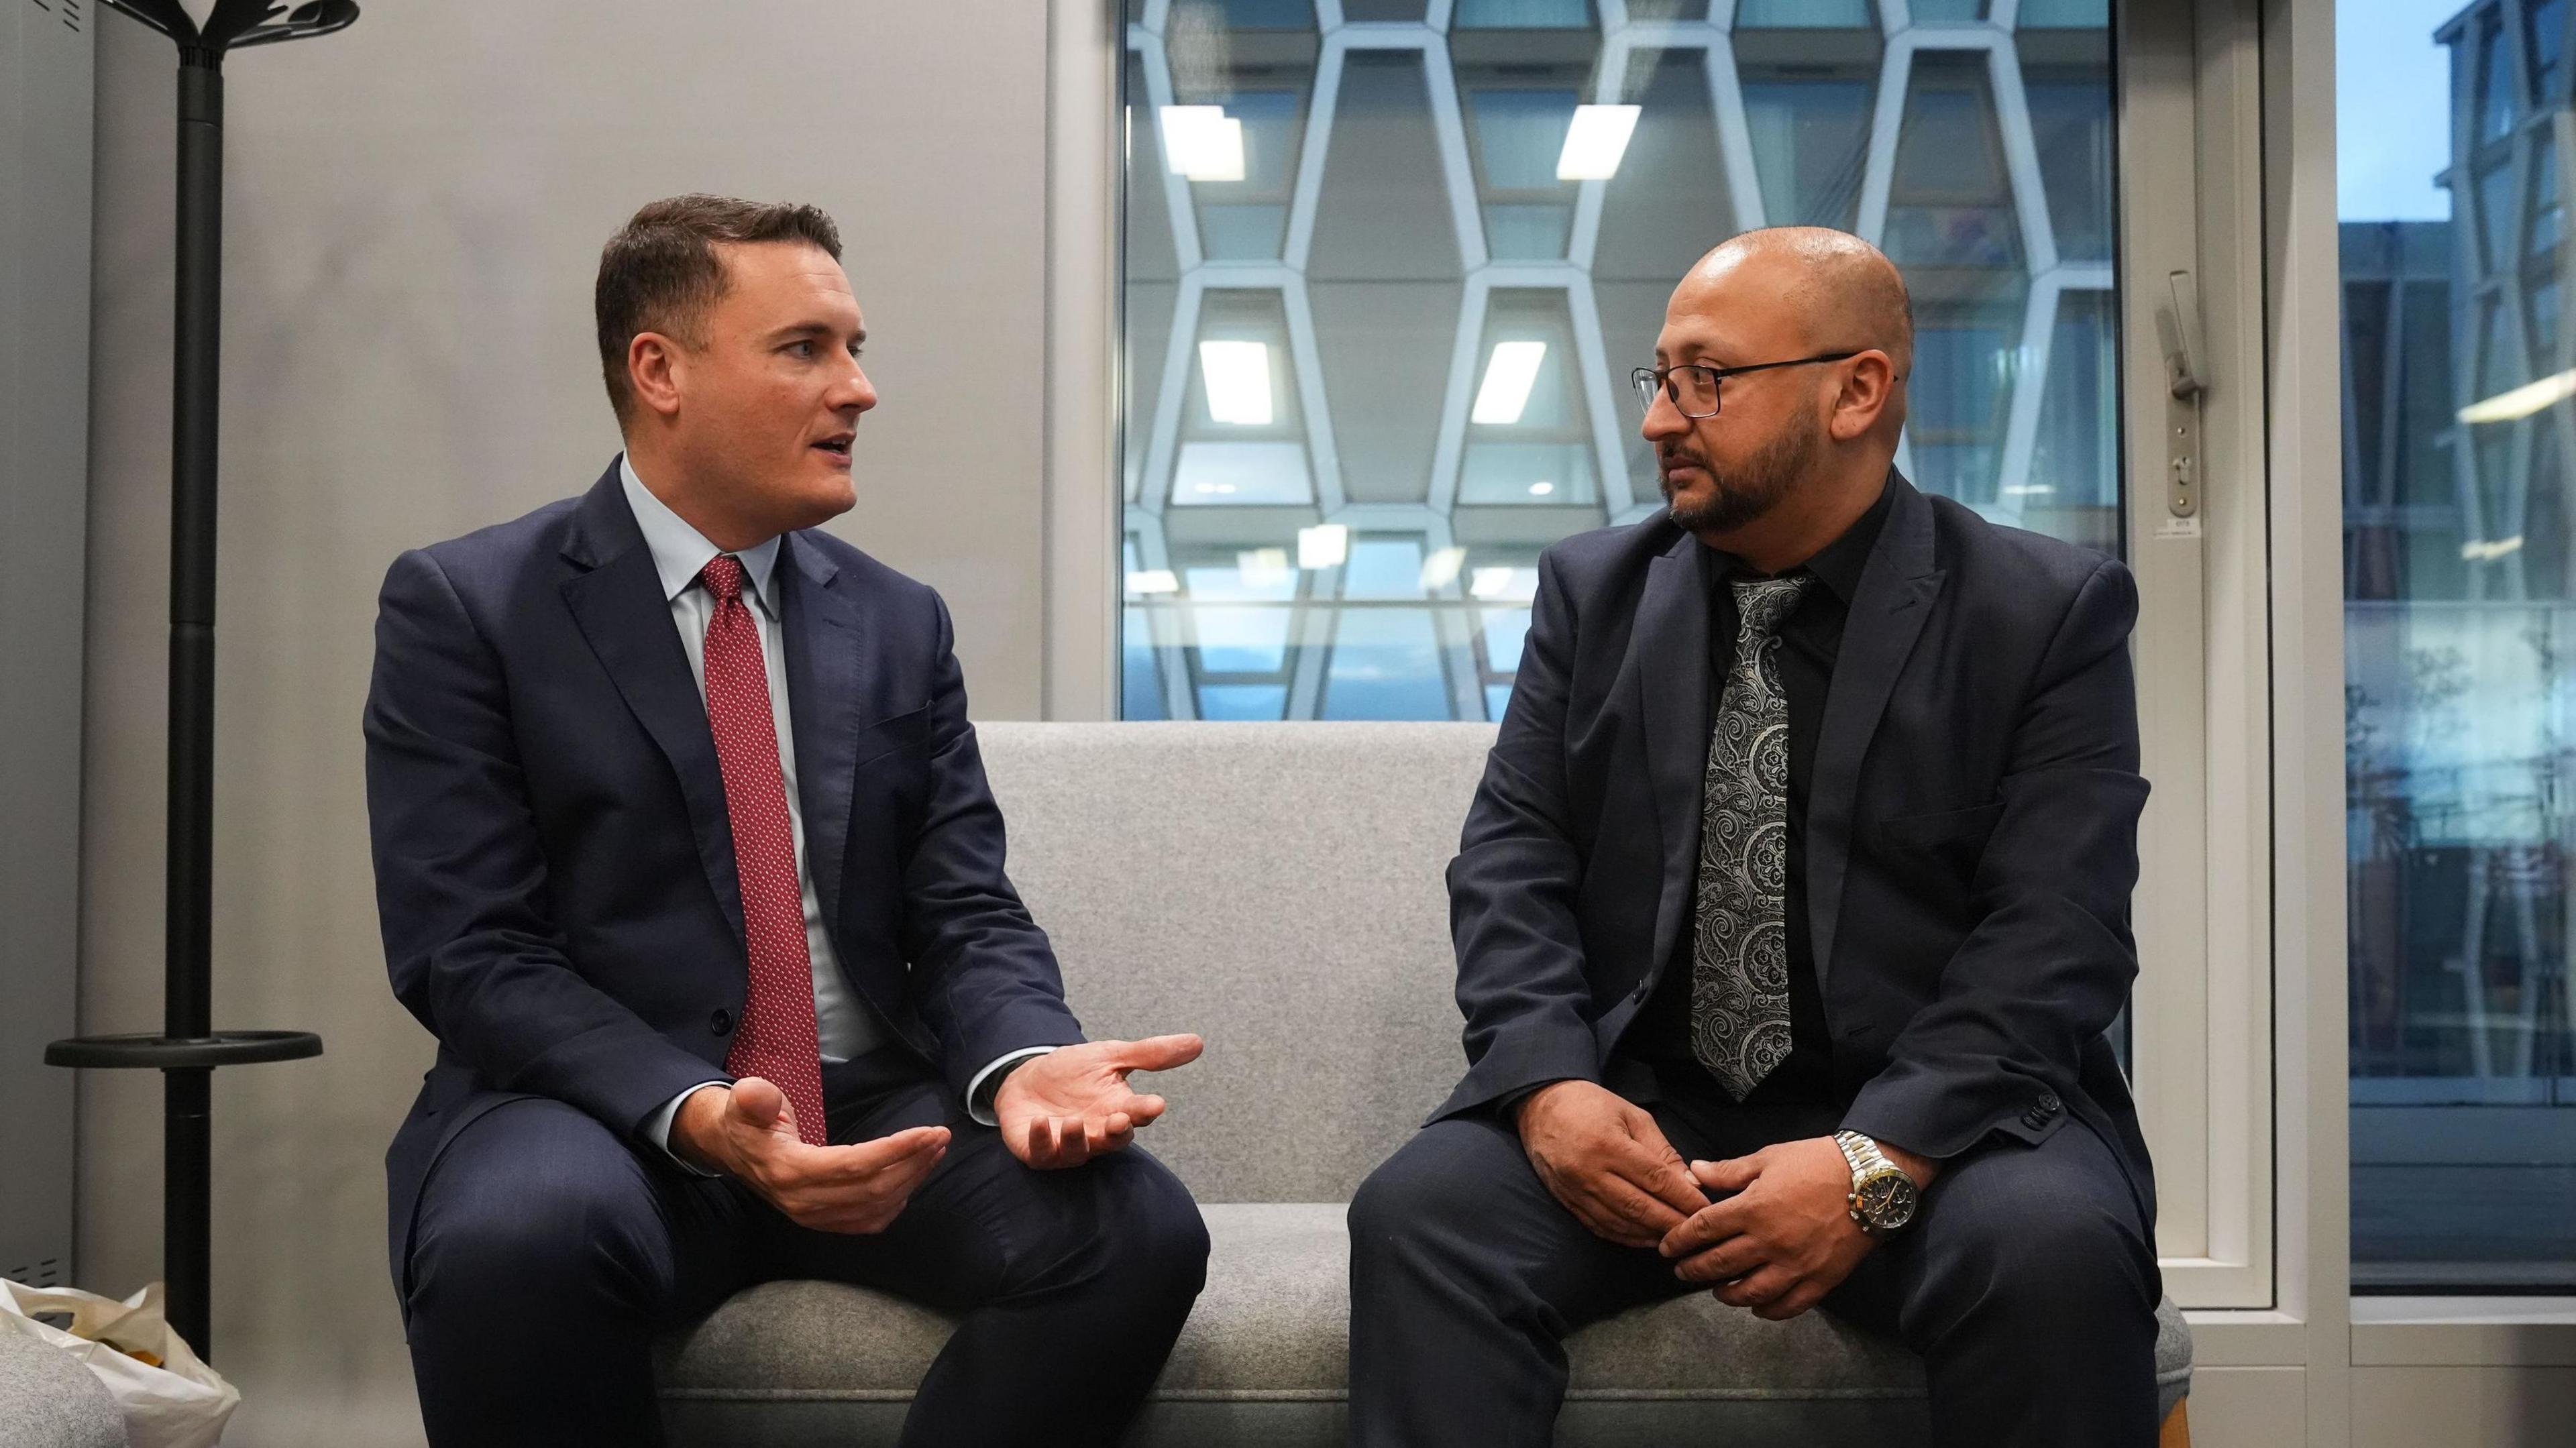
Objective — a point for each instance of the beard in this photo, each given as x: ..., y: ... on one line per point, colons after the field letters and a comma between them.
x: 1740, y: 495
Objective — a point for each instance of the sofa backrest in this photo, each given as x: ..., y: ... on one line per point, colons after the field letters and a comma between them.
x: 1277, y: 888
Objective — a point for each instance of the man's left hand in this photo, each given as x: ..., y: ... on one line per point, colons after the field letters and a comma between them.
x: 1782, y: 1236
x: 1073, y: 1103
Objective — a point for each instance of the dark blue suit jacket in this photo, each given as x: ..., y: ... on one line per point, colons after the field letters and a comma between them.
x: 554, y: 864
x: 1971, y: 827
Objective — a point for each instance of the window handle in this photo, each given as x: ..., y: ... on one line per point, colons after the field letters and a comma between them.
x: 2178, y: 329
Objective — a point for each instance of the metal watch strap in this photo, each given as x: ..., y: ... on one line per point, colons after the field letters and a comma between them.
x: 1861, y: 1153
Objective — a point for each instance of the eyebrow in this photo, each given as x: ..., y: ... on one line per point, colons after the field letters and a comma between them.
x: 813, y: 329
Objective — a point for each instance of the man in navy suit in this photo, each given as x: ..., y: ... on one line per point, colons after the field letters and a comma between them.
x: 1791, y: 915
x: 685, y: 855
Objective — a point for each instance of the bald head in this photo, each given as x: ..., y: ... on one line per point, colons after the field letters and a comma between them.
x: 1826, y: 289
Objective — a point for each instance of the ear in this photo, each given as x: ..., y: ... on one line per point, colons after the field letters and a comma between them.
x: 655, y: 372
x: 1867, y: 390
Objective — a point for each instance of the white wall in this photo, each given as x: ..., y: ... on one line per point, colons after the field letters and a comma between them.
x: 414, y: 215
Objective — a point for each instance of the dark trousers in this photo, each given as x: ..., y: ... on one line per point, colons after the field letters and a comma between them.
x: 549, y: 1252
x: 2028, y: 1284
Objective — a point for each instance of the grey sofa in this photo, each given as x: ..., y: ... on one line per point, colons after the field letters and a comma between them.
x: 1278, y: 889
x: 48, y: 1399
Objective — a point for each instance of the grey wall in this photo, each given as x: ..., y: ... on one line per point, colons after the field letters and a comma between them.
x: 45, y: 144
x: 414, y: 214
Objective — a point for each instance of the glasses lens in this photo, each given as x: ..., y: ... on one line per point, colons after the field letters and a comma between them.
x: 1695, y: 391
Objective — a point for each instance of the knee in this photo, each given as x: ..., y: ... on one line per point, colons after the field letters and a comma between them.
x: 533, y: 1229
x: 2040, y: 1265
x: 1156, y: 1233
x: 1422, y: 1185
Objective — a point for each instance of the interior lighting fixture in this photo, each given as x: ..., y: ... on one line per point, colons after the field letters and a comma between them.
x: 1595, y: 142
x: 1147, y: 581
x: 1509, y: 375
x: 1490, y: 582
x: 1441, y: 568
x: 1326, y: 545
x: 2522, y: 401
x: 1238, y: 382
x: 2488, y: 550
x: 1203, y: 143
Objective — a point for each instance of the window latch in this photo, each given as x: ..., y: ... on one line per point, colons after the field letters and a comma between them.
x: 2178, y: 329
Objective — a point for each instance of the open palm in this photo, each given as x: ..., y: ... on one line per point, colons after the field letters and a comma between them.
x: 1074, y: 1103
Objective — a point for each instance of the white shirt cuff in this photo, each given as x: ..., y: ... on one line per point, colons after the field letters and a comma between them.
x: 978, y: 1105
x: 658, y: 1129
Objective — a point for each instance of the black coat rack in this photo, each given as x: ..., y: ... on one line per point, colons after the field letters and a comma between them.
x: 188, y: 1049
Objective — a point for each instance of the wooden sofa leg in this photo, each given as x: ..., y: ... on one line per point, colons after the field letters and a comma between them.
x: 2177, y: 1429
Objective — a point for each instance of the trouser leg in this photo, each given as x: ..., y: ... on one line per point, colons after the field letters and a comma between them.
x: 545, y: 1256
x: 1466, y: 1275
x: 1072, y: 1285
x: 2029, y: 1285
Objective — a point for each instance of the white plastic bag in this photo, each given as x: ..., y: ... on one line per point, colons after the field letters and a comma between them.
x: 181, y: 1404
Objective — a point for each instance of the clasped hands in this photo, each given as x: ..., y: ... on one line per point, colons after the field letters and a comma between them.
x: 1057, y: 1110
x: 1777, y: 1236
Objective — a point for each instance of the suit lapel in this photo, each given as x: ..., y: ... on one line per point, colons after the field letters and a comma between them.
x: 1670, y: 647
x: 1897, y: 588
x: 820, y: 625
x: 617, y: 601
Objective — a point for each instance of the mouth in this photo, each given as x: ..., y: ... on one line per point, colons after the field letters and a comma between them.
x: 835, y: 448
x: 1676, y: 468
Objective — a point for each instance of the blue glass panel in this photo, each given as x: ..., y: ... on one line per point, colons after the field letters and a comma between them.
x: 1522, y: 14
x: 2065, y: 14
x: 1519, y: 134
x: 1810, y: 147
x: 1505, y: 631
x: 1385, y: 665
x: 1804, y: 15
x: 1498, y: 697
x: 1140, y: 674
x: 1237, y: 703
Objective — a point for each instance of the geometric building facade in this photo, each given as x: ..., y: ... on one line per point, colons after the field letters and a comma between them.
x: 2460, y: 651
x: 1388, y: 262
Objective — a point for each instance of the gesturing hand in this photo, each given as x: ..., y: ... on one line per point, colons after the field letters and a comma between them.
x: 1073, y: 1103
x: 1782, y: 1238
x: 750, y: 1132
x: 1604, y: 1159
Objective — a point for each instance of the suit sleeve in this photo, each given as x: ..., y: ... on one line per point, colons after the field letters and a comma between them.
x: 2050, y: 961
x: 1512, y: 887
x: 461, y: 889
x: 983, y: 974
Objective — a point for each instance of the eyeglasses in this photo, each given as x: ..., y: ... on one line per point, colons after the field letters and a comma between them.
x: 1693, y: 387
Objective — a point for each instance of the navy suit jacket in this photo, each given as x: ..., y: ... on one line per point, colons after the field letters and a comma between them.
x: 1971, y: 828
x: 554, y: 863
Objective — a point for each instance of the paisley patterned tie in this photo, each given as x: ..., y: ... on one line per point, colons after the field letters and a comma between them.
x: 1740, y: 950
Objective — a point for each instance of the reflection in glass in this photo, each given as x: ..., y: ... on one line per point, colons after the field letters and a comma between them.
x: 1379, y: 313
x: 2460, y: 686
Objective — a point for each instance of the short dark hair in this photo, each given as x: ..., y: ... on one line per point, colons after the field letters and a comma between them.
x: 661, y: 271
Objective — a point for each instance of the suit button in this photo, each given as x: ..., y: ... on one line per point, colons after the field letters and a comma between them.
x: 2034, y: 1119
x: 2048, y: 1101
x: 721, y: 1022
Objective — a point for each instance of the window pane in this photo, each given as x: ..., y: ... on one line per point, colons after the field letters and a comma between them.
x: 2460, y: 650
x: 1383, y: 288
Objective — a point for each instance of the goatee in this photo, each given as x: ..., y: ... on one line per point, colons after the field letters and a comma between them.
x: 1743, y: 494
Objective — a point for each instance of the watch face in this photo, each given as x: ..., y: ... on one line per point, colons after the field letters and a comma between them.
x: 1887, y: 1200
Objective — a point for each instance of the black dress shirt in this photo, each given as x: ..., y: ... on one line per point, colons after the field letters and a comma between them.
x: 1811, y: 638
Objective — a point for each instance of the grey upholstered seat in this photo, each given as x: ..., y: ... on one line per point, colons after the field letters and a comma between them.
x: 1279, y: 890
x: 49, y: 1400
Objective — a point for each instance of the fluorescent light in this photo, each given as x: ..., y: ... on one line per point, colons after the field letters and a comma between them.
x: 2522, y: 401
x: 1490, y: 582
x: 1238, y: 381
x: 1541, y: 490
x: 2027, y: 490
x: 2488, y: 551
x: 1203, y: 143
x: 1153, y: 580
x: 1441, y: 568
x: 1509, y: 374
x: 1595, y: 142
x: 1326, y: 545
x: 1262, y: 567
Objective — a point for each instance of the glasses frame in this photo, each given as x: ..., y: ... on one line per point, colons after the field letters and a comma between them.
x: 1649, y: 381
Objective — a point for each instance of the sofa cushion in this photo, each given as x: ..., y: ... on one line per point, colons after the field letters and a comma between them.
x: 49, y: 1399
x: 1279, y: 889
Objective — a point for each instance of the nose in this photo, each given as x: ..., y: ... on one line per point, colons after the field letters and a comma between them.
x: 854, y: 390
x: 1663, y: 419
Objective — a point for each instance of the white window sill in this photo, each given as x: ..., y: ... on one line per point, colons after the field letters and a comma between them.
x: 2464, y: 1331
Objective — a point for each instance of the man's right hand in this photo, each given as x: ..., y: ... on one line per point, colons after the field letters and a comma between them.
x: 750, y: 1132
x: 1604, y: 1159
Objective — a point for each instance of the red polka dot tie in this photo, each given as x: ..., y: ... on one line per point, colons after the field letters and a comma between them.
x: 777, y: 1041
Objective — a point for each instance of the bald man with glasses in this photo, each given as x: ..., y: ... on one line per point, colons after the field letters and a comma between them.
x: 1791, y: 915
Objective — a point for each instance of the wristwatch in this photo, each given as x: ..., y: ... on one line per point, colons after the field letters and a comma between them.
x: 1883, y: 1197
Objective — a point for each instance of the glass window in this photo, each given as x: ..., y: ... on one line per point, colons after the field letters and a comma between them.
x: 2460, y: 653
x: 1385, y: 278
